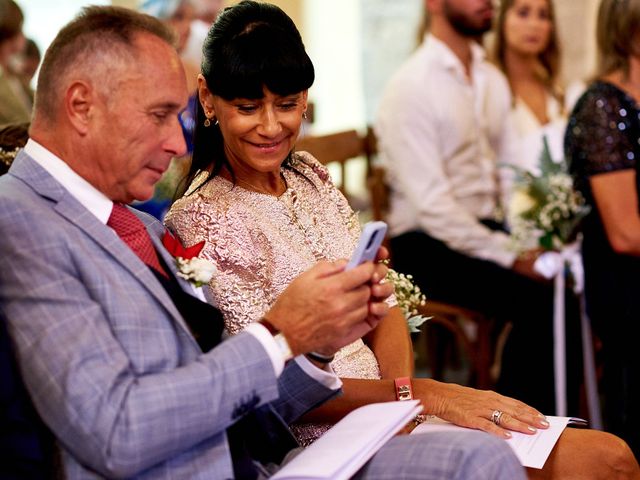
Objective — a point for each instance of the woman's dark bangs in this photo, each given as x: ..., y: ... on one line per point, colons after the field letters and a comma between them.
x: 261, y: 57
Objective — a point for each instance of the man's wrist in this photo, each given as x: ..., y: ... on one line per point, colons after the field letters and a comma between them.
x: 320, y: 358
x: 279, y: 338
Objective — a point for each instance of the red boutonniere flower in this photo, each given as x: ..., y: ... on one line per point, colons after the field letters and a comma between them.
x: 196, y: 270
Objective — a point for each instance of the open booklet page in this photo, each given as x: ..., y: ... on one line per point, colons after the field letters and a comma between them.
x: 347, y: 446
x: 531, y: 450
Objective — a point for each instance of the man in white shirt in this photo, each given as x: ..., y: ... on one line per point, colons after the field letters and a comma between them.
x: 443, y: 132
x: 122, y: 361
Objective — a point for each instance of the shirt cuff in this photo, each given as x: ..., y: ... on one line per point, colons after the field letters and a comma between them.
x: 326, y: 376
x: 268, y: 342
x: 502, y: 253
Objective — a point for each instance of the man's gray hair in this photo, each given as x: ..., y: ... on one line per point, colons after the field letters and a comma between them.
x: 98, y: 39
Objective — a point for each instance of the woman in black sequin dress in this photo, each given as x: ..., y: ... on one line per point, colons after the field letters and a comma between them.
x: 603, y: 146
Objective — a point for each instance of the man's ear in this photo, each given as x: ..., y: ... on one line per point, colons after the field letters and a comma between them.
x: 206, y: 97
x: 433, y: 6
x: 78, y: 104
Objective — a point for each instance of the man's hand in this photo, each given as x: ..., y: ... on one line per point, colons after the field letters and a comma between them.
x: 327, y: 308
x: 524, y: 265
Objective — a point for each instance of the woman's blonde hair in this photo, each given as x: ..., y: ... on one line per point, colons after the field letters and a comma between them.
x: 617, y: 30
x: 549, y: 57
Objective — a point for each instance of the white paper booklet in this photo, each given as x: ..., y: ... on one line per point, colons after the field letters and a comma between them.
x: 347, y: 446
x: 531, y: 450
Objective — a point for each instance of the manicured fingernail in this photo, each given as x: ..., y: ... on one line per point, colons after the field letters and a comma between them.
x: 507, y: 434
x: 544, y: 423
x: 532, y: 430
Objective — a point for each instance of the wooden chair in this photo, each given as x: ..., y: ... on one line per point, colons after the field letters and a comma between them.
x: 336, y: 147
x: 480, y: 346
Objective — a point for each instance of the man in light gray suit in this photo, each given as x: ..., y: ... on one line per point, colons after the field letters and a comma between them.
x: 108, y: 341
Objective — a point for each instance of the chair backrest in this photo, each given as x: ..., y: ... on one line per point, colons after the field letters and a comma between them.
x: 337, y: 147
x: 376, y: 180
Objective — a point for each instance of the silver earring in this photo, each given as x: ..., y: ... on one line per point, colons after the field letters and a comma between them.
x: 207, y: 122
x: 304, y: 115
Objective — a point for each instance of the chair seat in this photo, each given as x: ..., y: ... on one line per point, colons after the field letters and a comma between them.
x: 477, y: 341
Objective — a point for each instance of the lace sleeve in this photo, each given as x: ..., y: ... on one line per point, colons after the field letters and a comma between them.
x: 240, y: 288
x: 602, y: 132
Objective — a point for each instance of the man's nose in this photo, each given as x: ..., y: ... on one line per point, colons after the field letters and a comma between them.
x: 176, y: 143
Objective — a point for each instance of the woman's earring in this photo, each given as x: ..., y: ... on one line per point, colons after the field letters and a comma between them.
x: 304, y: 114
x: 209, y: 116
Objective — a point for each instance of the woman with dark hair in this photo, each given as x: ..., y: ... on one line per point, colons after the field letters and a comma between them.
x: 602, y: 144
x: 13, y: 100
x: 267, y: 212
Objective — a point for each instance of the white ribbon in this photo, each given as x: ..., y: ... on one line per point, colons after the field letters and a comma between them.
x: 552, y: 265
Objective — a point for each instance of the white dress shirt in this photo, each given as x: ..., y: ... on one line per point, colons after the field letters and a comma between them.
x: 529, y: 141
x: 530, y: 133
x: 100, y: 205
x: 441, y: 137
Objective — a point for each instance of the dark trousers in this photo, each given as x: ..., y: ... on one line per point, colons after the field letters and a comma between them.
x: 527, y: 362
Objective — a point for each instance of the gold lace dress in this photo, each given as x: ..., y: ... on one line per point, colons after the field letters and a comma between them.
x: 260, y: 243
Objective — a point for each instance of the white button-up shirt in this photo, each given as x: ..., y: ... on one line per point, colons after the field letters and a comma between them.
x: 441, y: 136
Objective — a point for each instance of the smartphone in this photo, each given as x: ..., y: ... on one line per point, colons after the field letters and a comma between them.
x: 370, y: 240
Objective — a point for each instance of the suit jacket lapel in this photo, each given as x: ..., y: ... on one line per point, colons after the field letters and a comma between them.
x: 69, y: 208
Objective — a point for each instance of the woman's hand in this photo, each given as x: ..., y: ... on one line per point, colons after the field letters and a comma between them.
x: 473, y: 408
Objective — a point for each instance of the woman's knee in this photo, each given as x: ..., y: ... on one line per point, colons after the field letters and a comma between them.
x: 600, y: 454
x: 619, y: 458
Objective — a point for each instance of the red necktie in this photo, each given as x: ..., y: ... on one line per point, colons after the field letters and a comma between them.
x: 133, y: 232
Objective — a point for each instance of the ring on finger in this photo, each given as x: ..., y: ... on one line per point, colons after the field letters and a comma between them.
x: 496, y: 416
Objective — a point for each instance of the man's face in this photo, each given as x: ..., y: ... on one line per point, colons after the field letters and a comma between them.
x: 136, y: 130
x: 470, y: 18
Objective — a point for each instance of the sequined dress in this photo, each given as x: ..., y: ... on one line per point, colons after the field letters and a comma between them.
x: 603, y: 135
x: 260, y: 243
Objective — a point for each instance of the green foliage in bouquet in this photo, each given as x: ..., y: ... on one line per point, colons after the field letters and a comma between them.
x: 546, y: 206
x: 409, y: 298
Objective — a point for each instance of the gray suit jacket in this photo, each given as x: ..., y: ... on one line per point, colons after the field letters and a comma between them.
x: 110, y: 364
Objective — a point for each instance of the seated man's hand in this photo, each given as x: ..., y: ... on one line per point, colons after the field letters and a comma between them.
x: 378, y: 308
x: 524, y: 265
x: 327, y: 308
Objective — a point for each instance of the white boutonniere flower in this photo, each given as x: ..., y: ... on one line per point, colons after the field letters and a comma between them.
x: 196, y: 270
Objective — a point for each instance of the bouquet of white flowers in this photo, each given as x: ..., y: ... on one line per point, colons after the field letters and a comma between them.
x: 545, y: 207
x: 547, y: 210
x: 409, y: 298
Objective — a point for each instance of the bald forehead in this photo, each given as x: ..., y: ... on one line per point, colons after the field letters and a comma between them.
x: 154, y: 56
x: 156, y: 71
x: 148, y: 56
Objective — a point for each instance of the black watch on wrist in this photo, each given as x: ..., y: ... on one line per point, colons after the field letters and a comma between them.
x: 318, y: 357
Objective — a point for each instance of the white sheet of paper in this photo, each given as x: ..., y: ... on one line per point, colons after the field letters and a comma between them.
x: 531, y: 450
x: 347, y: 446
